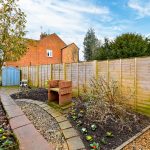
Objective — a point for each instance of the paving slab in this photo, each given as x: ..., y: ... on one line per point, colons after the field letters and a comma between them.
x: 48, y: 108
x: 43, y: 105
x: 65, y: 125
x: 11, y: 107
x: 56, y: 114
x: 19, y: 121
x: 75, y: 143
x: 61, y: 119
x: 16, y: 113
x: 6, y: 100
x: 13, y: 111
x: 31, y: 139
x: 71, y: 132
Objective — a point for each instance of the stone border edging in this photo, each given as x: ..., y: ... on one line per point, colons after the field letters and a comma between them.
x: 72, y: 137
x: 132, y: 138
x: 28, y: 137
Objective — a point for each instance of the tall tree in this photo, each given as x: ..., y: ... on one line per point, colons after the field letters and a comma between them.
x: 124, y: 46
x: 130, y: 45
x: 91, y: 43
x: 12, y: 31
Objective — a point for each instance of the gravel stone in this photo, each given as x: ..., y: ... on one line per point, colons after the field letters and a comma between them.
x: 44, y: 123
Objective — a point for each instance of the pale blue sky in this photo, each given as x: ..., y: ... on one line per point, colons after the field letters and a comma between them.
x: 70, y: 19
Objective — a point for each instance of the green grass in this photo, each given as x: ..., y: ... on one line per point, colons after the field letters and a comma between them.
x: 9, y: 87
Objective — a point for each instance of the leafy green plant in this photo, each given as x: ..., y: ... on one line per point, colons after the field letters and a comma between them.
x: 7, y: 143
x: 3, y: 138
x: 80, y: 115
x: 74, y: 117
x: 93, y: 127
x: 73, y: 111
x: 94, y: 146
x: 82, y: 111
x: 89, y: 138
x: 1, y: 130
x: 84, y: 130
x: 109, y: 134
x: 79, y: 122
x: 103, y: 141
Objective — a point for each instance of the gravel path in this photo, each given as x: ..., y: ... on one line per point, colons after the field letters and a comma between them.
x: 44, y: 123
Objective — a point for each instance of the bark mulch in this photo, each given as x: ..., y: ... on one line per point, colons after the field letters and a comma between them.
x: 39, y: 94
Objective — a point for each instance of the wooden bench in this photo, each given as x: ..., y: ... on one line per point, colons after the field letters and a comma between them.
x: 60, y: 90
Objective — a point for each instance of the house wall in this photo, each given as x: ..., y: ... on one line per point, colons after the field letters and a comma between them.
x: 70, y: 54
x: 37, y: 52
x: 30, y: 58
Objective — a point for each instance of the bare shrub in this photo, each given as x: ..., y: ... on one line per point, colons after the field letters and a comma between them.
x: 104, y: 103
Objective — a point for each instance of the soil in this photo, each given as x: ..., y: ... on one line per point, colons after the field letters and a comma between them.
x: 39, y: 94
x: 7, y: 140
x: 100, y: 133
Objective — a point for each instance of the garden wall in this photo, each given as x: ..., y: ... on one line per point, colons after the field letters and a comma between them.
x: 131, y: 74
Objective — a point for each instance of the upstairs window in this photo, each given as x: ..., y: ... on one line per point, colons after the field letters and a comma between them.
x: 49, y: 53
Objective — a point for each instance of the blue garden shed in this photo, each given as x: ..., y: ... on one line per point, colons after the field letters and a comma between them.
x: 10, y: 76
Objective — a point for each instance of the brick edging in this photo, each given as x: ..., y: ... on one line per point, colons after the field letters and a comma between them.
x: 71, y: 135
x: 132, y: 138
x: 27, y: 135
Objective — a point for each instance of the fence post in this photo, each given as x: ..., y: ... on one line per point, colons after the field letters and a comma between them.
x: 85, y: 75
x: 78, y: 81
x: 64, y: 71
x: 108, y: 71
x: 51, y: 72
x: 95, y: 69
x: 135, y: 81
x: 120, y: 77
x: 28, y: 75
x: 37, y: 75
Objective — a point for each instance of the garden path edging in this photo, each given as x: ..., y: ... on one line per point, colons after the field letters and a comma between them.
x: 72, y: 137
x: 125, y: 144
x: 28, y: 137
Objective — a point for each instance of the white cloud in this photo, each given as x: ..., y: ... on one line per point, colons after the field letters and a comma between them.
x: 70, y: 19
x: 141, y: 6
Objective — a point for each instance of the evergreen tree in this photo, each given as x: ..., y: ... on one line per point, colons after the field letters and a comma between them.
x: 124, y: 46
x: 91, y: 43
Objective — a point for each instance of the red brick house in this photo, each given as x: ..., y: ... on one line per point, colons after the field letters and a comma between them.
x: 48, y: 50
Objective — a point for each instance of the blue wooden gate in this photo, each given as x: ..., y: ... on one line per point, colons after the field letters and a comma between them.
x: 10, y: 76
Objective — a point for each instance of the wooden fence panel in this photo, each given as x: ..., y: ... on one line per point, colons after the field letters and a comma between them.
x: 68, y: 72
x: 133, y: 75
x: 103, y: 69
x: 61, y: 72
x: 89, y: 72
x: 143, y: 85
x: 56, y: 72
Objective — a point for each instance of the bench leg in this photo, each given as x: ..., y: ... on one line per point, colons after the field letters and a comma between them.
x: 63, y: 99
x: 52, y: 96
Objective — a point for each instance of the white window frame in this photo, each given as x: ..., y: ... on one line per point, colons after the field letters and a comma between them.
x: 49, y: 53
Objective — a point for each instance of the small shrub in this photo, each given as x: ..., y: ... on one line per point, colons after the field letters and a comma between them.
x: 104, y: 104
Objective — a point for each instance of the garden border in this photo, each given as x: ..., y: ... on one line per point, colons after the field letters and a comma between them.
x: 132, y: 139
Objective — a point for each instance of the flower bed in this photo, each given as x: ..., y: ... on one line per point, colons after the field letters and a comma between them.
x: 104, y: 118
x: 7, y: 139
x: 39, y: 94
x: 106, y: 137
